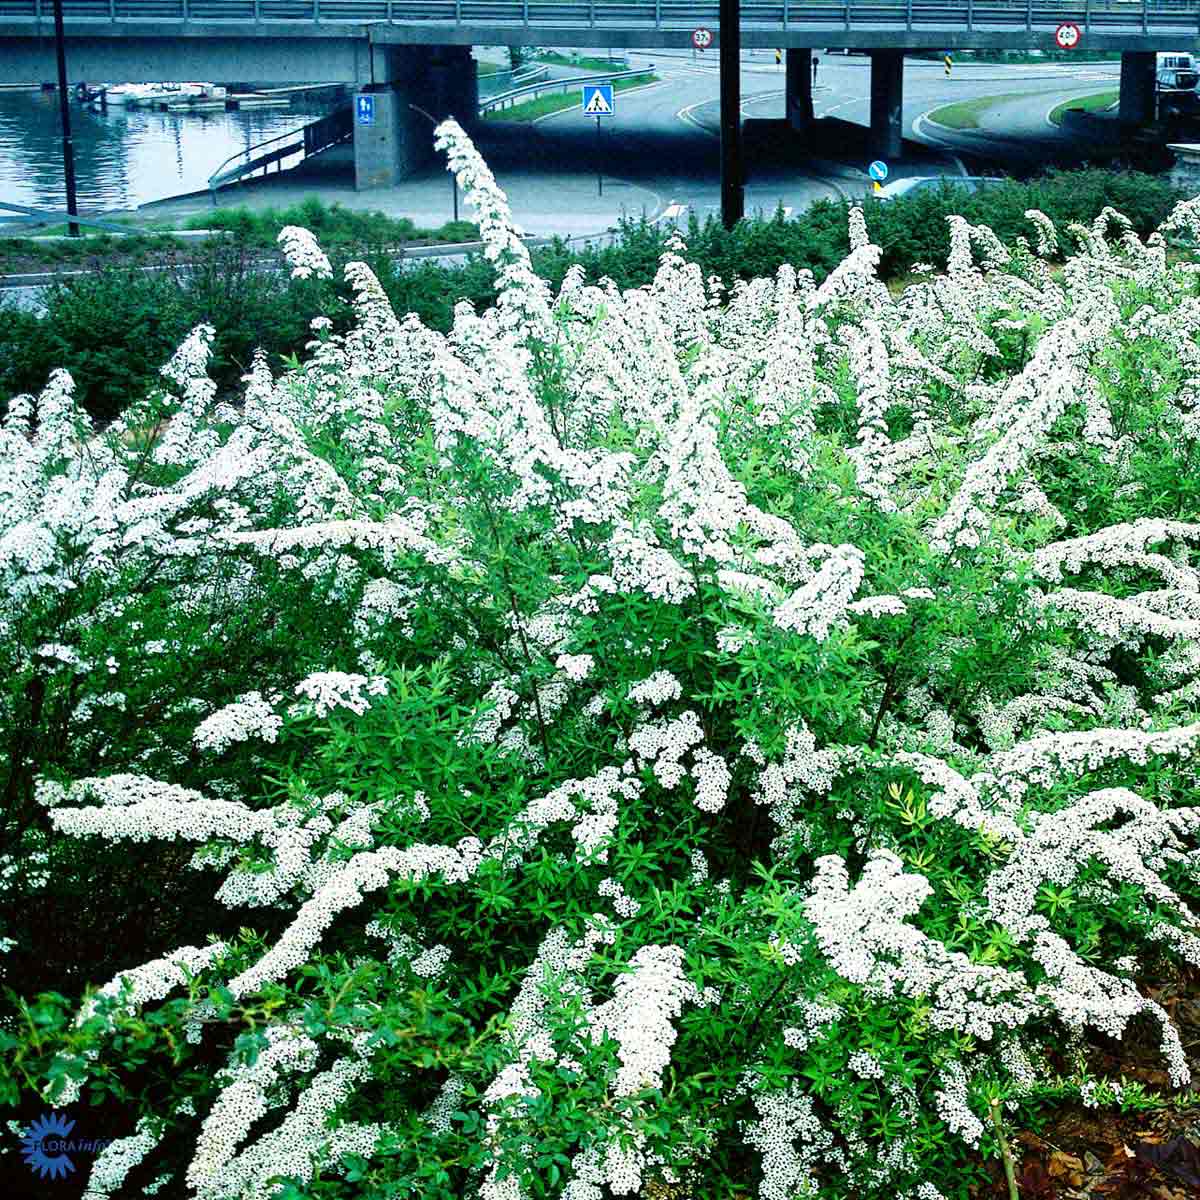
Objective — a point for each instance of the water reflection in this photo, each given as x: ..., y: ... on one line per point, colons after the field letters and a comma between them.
x: 124, y: 158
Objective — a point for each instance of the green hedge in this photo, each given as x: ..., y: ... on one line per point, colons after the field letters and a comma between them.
x: 112, y: 330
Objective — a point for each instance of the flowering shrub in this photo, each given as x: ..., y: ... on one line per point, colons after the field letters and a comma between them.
x: 679, y: 742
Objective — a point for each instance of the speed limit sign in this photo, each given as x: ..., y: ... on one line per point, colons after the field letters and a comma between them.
x: 1066, y: 37
x: 702, y: 38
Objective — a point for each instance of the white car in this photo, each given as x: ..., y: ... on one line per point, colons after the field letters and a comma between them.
x: 923, y: 184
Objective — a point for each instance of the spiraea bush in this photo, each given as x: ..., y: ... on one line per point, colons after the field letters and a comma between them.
x: 684, y: 741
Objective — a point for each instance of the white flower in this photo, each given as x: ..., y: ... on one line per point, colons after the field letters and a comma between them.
x: 334, y: 689
x: 247, y: 717
x: 304, y: 256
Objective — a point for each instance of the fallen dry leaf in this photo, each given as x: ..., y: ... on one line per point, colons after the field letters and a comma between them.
x: 1177, y: 1159
x: 1066, y: 1168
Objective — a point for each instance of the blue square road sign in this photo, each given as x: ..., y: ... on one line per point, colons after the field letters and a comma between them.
x: 598, y: 100
x: 364, y: 106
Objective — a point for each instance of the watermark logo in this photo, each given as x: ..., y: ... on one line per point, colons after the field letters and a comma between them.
x: 47, y: 1145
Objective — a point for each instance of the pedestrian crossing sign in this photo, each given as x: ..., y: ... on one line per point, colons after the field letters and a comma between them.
x: 598, y: 100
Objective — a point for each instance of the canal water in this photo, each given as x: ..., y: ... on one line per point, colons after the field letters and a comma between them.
x: 124, y: 158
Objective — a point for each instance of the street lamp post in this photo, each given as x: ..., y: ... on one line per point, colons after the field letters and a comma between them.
x: 64, y: 108
x: 433, y: 121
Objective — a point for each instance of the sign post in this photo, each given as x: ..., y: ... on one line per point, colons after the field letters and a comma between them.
x: 733, y: 196
x: 598, y: 102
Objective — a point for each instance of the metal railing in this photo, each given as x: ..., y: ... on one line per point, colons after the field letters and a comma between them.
x: 503, y: 81
x: 48, y: 214
x: 308, y: 139
x: 1129, y: 15
x: 532, y: 90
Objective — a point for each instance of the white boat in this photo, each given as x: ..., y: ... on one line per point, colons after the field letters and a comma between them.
x: 150, y: 94
x: 131, y: 93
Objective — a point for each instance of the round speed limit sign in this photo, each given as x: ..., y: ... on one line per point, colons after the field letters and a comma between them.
x: 702, y: 38
x: 1067, y: 37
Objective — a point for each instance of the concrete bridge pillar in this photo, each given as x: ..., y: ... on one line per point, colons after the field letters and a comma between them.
x: 415, y: 88
x: 1138, y: 80
x: 887, y: 101
x: 799, y: 89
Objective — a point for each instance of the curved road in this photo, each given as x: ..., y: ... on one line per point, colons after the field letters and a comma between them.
x: 664, y: 138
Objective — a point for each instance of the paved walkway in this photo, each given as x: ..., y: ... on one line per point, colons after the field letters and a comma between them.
x: 566, y: 204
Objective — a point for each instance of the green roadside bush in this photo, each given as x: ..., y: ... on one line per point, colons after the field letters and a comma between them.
x: 111, y: 330
x: 685, y: 743
x: 334, y: 225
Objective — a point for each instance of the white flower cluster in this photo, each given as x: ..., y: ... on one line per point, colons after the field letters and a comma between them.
x: 624, y: 903
x: 244, y: 1099
x: 953, y: 1105
x: 576, y: 667
x: 346, y: 886
x: 790, y: 1138
x: 328, y: 690
x: 303, y: 254
x: 655, y: 690
x: 249, y: 716
x: 864, y: 934
x: 112, y: 1164
x: 646, y: 1000
x: 664, y: 743
x: 1030, y: 405
x: 822, y: 603
x: 154, y: 980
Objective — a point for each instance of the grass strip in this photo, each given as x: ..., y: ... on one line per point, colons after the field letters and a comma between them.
x: 965, y: 114
x: 543, y: 106
x: 583, y: 61
x: 334, y: 226
x: 1093, y: 103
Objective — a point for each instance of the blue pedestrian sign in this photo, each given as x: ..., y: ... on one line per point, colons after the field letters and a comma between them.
x: 878, y: 171
x: 365, y: 107
x: 598, y: 100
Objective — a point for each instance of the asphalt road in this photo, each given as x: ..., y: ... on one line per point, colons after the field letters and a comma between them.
x: 665, y: 138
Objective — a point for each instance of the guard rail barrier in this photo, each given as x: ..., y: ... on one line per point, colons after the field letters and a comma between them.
x: 657, y: 14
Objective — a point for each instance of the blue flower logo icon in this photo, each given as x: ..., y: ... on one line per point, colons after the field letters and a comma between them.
x: 44, y: 1148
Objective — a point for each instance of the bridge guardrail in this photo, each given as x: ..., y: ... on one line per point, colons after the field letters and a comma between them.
x: 504, y: 80
x: 657, y: 14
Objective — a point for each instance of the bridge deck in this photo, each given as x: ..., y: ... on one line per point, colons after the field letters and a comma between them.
x: 1107, y: 24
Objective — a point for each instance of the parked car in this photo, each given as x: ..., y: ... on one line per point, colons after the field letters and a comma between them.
x: 1177, y: 92
x: 921, y: 184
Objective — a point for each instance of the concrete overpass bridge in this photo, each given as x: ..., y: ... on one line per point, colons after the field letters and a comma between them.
x: 414, y: 55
